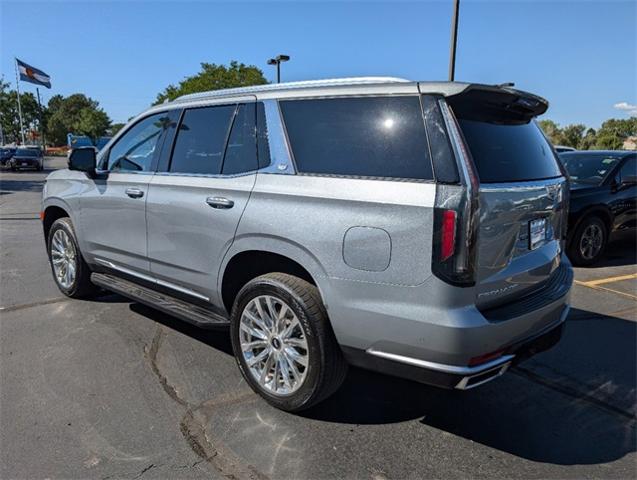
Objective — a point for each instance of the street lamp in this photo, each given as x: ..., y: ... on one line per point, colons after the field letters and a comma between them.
x: 277, y: 61
x: 454, y: 40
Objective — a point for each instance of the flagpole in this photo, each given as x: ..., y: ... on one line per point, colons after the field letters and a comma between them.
x: 17, y: 85
x: 42, y: 139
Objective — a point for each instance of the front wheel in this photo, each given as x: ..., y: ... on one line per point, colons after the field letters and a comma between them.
x: 283, y: 342
x: 70, y: 272
x: 588, y: 242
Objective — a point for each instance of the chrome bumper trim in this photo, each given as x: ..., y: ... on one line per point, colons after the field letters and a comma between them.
x: 441, y: 367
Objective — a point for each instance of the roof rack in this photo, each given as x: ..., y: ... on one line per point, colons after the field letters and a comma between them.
x: 329, y: 82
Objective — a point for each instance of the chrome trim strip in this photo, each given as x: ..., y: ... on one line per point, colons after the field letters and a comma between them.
x: 462, y: 384
x: 441, y: 367
x: 150, y: 279
x: 280, y: 156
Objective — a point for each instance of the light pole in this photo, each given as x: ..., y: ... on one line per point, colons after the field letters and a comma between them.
x: 454, y: 40
x: 277, y: 61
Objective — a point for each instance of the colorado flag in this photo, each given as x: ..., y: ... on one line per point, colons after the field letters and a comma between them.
x: 33, y: 75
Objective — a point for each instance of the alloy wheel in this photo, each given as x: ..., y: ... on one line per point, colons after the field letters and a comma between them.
x: 591, y: 242
x: 273, y: 345
x: 63, y: 256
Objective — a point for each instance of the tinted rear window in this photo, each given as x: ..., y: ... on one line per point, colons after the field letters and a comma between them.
x: 369, y: 137
x: 509, y: 152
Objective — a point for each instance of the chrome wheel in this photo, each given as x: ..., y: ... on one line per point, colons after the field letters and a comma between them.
x: 273, y: 345
x: 591, y: 242
x: 63, y: 258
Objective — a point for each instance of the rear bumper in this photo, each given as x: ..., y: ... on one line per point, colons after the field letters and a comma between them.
x: 454, y: 376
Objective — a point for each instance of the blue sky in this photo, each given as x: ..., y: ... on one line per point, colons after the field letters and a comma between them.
x: 580, y: 55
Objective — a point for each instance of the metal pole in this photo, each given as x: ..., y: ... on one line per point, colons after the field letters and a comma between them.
x: 42, y: 139
x: 454, y: 40
x: 17, y: 86
x: 278, y: 71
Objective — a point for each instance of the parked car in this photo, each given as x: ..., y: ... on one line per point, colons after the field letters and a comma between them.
x: 562, y: 149
x: 603, y: 200
x: 6, y: 153
x: 27, y: 157
x: 411, y: 228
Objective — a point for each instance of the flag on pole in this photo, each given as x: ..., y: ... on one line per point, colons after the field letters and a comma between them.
x: 33, y: 75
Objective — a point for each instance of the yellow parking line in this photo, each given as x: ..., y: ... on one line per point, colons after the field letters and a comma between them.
x: 604, y: 289
x: 602, y: 281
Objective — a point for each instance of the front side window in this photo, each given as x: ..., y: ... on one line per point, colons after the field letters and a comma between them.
x: 359, y: 136
x: 201, y: 140
x: 629, y: 169
x: 136, y: 149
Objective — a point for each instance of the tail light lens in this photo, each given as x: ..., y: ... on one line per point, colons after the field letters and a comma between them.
x: 447, y: 234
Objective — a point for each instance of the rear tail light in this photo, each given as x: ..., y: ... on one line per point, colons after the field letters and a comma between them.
x: 455, y: 215
x: 447, y: 234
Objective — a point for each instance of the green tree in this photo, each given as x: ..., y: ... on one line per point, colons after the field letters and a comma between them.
x: 572, y: 135
x: 214, y: 77
x: 76, y: 114
x: 552, y: 131
x: 588, y: 140
x: 9, y: 117
x: 115, y: 127
x: 613, y: 132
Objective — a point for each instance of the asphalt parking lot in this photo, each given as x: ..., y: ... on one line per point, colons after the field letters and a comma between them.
x: 111, y: 389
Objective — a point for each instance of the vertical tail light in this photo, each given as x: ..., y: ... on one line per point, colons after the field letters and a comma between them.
x: 447, y: 234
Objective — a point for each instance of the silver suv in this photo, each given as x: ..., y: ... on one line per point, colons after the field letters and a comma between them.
x: 411, y: 228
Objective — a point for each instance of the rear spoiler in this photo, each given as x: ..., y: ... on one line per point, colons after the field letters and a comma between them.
x: 497, y: 102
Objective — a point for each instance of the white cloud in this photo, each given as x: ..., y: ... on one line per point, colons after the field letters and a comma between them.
x: 629, y: 108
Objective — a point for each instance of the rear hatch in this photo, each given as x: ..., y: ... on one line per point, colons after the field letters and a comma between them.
x: 522, y: 193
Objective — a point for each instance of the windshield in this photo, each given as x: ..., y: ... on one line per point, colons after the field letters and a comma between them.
x: 26, y: 152
x: 589, y: 167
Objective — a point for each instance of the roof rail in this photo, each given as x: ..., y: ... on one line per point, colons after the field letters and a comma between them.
x: 329, y: 82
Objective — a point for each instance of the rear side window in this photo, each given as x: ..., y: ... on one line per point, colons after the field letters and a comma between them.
x: 201, y: 140
x: 365, y: 136
x: 241, y: 152
x: 504, y: 152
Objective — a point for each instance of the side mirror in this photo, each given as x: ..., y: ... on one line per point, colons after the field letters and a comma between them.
x: 83, y: 159
x: 629, y: 180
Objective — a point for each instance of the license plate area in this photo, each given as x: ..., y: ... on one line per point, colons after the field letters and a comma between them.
x: 24, y: 164
x: 537, y: 232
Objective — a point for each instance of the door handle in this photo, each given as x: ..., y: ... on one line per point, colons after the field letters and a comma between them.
x: 134, y: 193
x: 219, y: 202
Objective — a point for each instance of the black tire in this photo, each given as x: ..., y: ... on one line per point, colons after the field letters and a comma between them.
x: 81, y: 287
x: 326, y: 367
x: 577, y: 252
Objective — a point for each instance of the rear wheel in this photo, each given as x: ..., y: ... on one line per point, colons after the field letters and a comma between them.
x: 588, y: 242
x: 283, y: 342
x: 70, y: 272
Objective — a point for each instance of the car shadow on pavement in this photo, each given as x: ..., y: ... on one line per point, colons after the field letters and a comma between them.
x: 572, y: 405
x: 27, y: 185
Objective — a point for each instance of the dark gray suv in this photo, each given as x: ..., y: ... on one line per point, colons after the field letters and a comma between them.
x: 412, y: 228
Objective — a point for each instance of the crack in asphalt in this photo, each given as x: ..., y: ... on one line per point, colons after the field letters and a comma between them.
x: 193, y: 424
x: 48, y: 301
x: 571, y: 392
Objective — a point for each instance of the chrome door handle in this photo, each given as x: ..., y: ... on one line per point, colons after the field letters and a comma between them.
x: 134, y: 193
x: 219, y: 202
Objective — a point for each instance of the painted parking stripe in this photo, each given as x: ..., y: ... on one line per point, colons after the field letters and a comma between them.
x: 602, y: 281
x: 604, y: 289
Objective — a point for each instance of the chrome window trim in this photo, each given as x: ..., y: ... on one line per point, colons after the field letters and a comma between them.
x: 151, y: 279
x: 280, y: 154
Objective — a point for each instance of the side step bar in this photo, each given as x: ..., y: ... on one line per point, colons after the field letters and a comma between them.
x: 199, y: 316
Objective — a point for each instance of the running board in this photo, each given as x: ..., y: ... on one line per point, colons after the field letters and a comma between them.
x: 199, y: 316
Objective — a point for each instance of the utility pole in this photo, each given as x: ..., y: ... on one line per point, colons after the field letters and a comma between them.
x: 454, y: 40
x: 277, y: 61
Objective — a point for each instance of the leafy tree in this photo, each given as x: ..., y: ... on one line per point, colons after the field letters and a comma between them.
x: 9, y: 117
x: 115, y: 127
x: 613, y: 132
x: 77, y: 114
x: 214, y: 77
x: 588, y: 140
x: 552, y: 131
x: 572, y: 135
